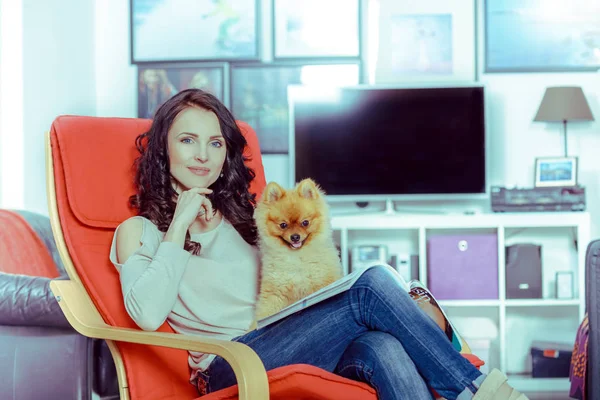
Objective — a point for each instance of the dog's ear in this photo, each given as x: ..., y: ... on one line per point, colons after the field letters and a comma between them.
x: 273, y: 192
x: 308, y: 189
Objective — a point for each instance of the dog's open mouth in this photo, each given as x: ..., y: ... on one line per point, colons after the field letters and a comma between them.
x: 294, y: 245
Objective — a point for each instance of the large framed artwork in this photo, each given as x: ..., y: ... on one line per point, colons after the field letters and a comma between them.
x: 158, y: 82
x: 542, y: 35
x: 316, y: 29
x: 194, y: 30
x: 413, y: 41
x: 259, y: 95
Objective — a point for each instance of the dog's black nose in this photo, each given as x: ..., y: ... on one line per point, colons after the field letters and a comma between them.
x: 295, y: 237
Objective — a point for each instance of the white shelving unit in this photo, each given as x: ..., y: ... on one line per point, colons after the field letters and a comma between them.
x: 564, y: 237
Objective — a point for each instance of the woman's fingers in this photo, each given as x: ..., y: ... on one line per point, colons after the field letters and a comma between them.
x: 207, y: 205
x: 197, y: 196
x: 204, y: 202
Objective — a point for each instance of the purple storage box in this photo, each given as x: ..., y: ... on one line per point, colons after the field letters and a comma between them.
x: 463, y: 266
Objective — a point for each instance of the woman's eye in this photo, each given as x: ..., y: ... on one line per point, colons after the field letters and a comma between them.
x: 305, y: 223
x: 283, y: 225
x: 187, y: 140
x: 217, y: 144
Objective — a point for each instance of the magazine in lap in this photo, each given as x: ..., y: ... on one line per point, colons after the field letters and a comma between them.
x: 337, y: 287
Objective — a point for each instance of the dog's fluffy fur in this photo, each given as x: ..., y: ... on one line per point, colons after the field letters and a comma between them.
x: 293, y: 269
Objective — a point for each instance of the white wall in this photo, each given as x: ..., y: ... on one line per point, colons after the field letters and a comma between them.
x: 58, y: 78
x: 114, y: 75
x: 55, y: 76
x: 515, y: 140
x: 11, y: 104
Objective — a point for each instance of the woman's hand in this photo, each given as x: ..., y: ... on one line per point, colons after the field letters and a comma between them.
x: 191, y: 204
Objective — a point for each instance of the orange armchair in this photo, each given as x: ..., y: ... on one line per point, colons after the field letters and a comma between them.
x: 90, y: 178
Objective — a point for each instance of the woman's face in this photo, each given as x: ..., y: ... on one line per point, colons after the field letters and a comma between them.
x: 196, y: 149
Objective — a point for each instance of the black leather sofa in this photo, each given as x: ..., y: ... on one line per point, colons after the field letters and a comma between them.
x: 41, y: 356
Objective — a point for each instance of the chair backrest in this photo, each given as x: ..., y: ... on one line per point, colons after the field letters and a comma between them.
x: 92, y: 160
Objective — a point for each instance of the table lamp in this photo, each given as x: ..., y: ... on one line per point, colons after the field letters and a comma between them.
x: 562, y: 104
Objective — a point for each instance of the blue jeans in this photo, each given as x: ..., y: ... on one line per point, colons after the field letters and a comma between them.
x: 380, y: 360
x: 335, y: 333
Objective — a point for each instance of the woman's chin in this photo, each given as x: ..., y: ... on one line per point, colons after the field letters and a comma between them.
x: 196, y: 183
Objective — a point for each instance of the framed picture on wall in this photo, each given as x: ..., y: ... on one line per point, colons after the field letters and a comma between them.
x: 158, y: 82
x: 555, y: 171
x: 194, y: 30
x: 432, y: 40
x: 316, y: 28
x: 542, y: 35
x: 259, y: 95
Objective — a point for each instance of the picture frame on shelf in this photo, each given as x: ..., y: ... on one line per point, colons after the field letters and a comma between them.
x: 194, y: 30
x: 259, y: 94
x: 422, y: 42
x: 158, y: 82
x: 564, y: 285
x: 316, y: 29
x: 527, y: 37
x: 555, y: 171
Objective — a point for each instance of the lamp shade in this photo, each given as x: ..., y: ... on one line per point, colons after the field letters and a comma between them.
x: 564, y: 103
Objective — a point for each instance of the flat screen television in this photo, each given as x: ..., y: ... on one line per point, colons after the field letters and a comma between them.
x: 368, y: 142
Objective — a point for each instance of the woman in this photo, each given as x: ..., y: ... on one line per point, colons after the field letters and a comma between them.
x: 190, y: 258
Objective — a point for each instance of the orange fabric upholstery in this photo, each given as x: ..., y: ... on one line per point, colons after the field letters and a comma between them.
x: 301, y: 381
x: 97, y: 159
x: 21, y: 249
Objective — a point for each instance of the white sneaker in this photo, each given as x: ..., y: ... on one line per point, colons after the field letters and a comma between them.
x: 496, y: 387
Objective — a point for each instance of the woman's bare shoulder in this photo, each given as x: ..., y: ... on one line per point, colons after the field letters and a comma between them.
x: 131, y: 227
x: 131, y: 235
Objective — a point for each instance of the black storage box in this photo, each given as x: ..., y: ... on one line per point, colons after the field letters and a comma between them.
x: 550, y: 360
x: 524, y: 271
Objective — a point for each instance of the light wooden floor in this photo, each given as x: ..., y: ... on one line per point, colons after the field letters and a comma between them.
x: 548, y: 396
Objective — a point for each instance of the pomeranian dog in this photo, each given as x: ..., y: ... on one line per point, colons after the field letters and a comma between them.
x: 295, y: 239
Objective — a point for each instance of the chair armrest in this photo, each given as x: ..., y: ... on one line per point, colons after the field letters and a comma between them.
x: 84, y: 317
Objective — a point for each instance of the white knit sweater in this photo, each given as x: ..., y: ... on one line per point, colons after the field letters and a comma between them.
x: 211, y: 295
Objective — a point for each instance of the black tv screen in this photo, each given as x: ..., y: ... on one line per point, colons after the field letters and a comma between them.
x: 367, y: 141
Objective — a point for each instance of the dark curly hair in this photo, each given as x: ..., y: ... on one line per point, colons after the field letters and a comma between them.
x: 155, y: 198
